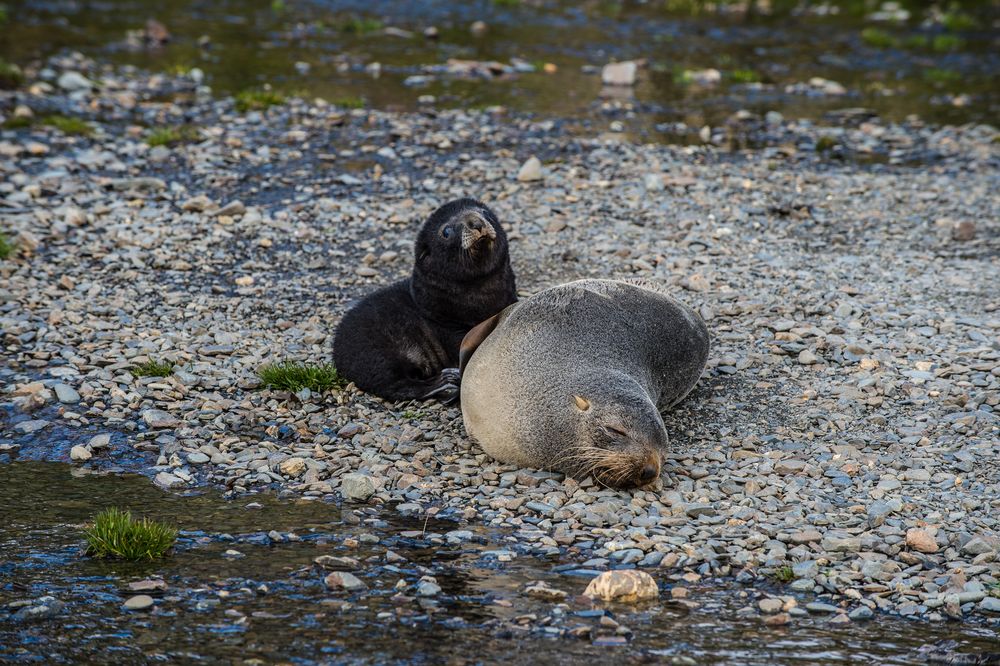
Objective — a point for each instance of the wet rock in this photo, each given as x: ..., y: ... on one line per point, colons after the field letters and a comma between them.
x: 344, y: 580
x: 861, y: 613
x: 28, y: 427
x: 66, y: 394
x: 428, y: 587
x: 80, y: 453
x: 99, y: 441
x: 148, y: 585
x: 357, y: 487
x: 542, y: 590
x: 776, y: 620
x: 819, y: 607
x: 292, y: 467
x: 168, y: 480
x: 625, y: 586
x: 770, y: 605
x: 138, y: 602
x: 157, y: 418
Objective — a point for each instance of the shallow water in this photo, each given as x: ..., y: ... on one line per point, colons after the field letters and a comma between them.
x: 249, y: 44
x: 270, y: 605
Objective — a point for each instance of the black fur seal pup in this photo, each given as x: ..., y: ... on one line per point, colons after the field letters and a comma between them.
x: 402, y: 342
x: 574, y: 378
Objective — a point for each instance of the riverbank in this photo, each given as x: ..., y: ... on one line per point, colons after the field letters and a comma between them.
x: 842, y: 439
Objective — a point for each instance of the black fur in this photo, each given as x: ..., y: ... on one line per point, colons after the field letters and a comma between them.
x: 402, y: 341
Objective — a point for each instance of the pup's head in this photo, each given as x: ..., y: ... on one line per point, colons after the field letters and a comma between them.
x: 619, y: 439
x: 462, y: 239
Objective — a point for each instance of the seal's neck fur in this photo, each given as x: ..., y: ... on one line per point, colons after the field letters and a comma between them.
x: 464, y: 302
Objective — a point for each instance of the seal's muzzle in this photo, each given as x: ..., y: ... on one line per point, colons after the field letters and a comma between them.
x: 476, y: 229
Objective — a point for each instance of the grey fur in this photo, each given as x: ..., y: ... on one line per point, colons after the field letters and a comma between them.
x: 625, y: 346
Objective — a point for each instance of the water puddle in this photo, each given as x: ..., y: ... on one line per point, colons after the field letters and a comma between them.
x: 242, y: 587
x: 375, y: 53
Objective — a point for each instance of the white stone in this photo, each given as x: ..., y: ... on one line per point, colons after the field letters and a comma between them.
x: 530, y: 171
x: 80, y: 453
x: 619, y: 73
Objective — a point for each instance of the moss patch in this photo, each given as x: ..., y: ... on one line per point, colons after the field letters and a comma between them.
x: 115, y: 533
x: 941, y: 76
x: 293, y: 376
x: 744, y: 76
x: 171, y: 136
x: 825, y: 144
x: 878, y: 38
x: 153, y: 368
x: 350, y: 102
x: 6, y: 246
x: 18, y: 122
x: 11, y: 75
x: 360, y: 26
x: 944, y: 43
x: 69, y: 125
x: 256, y: 99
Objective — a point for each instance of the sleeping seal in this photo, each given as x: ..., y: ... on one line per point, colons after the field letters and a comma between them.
x: 574, y: 378
x: 402, y: 342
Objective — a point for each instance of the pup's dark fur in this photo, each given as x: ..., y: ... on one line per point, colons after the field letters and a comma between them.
x: 402, y: 341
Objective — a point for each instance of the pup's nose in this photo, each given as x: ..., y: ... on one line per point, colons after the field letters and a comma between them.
x: 474, y: 223
x: 648, y: 473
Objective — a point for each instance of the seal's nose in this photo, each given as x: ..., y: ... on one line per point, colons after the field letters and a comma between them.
x: 648, y: 473
x: 474, y: 223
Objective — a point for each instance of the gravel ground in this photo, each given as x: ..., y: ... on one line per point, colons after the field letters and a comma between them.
x: 844, y: 438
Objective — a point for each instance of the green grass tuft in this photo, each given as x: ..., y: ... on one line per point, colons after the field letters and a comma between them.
x: 917, y: 42
x: 278, y: 6
x: 256, y: 99
x: 18, y: 122
x: 744, y: 76
x: 943, y: 43
x: 4, y: 14
x: 941, y: 76
x: 6, y: 246
x: 360, y: 26
x: 956, y: 21
x: 507, y: 3
x: 171, y: 136
x: 68, y: 125
x: 783, y: 574
x: 878, y: 38
x: 115, y: 533
x: 153, y: 368
x: 350, y: 102
x: 825, y: 144
x: 293, y: 376
x: 11, y: 75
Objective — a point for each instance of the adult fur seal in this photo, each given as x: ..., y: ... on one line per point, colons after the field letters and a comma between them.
x: 402, y: 341
x: 574, y: 378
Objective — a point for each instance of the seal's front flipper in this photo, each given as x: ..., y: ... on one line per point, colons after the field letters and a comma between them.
x: 475, y: 337
x: 446, y: 388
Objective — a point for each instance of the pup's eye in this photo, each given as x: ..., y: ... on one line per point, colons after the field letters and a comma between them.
x: 446, y: 232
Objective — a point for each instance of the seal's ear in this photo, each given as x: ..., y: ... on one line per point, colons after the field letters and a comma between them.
x: 474, y: 338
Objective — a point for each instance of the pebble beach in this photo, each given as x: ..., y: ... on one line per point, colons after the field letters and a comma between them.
x: 841, y: 447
